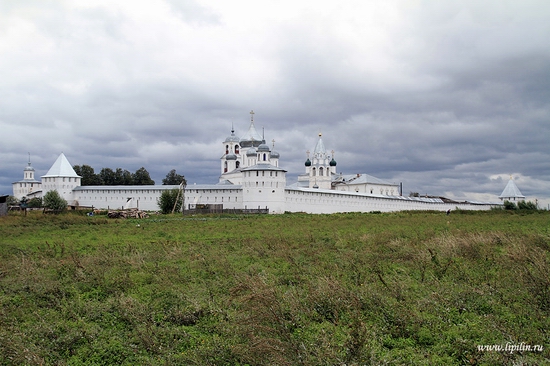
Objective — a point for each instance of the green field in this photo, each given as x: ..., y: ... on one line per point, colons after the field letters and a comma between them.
x: 409, y: 288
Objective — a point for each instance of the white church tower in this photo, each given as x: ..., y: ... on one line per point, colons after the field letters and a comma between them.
x: 231, y: 159
x: 28, y: 185
x: 321, y: 167
x: 62, y: 178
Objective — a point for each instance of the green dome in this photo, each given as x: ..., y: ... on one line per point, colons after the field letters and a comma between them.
x: 308, y: 162
x: 332, y: 162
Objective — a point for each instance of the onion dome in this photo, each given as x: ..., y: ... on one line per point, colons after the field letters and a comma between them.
x: 274, y: 155
x: 251, y: 152
x: 29, y: 167
x: 231, y: 157
x: 308, y: 162
x: 263, y: 147
x: 232, y: 138
x: 332, y: 162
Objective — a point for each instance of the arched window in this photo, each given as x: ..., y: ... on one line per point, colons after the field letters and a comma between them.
x: 225, y: 167
x: 265, y: 156
x: 238, y: 164
x: 227, y: 149
x: 236, y: 149
x: 321, y: 171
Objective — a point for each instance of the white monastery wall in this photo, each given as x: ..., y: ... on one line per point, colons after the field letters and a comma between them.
x: 325, y: 201
x: 146, y: 197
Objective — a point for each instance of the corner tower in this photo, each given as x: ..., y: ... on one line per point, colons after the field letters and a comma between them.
x: 61, y: 177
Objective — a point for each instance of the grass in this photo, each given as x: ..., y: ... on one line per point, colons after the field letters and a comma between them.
x: 418, y: 288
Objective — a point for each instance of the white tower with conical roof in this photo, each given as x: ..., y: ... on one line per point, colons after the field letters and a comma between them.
x: 511, y: 192
x: 62, y: 178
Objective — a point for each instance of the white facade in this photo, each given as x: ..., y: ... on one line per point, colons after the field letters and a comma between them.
x: 28, y: 186
x: 250, y: 178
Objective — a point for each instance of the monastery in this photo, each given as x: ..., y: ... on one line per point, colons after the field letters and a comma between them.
x: 250, y: 178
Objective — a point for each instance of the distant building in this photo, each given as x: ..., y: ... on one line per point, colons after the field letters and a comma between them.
x: 251, y: 178
x: 511, y: 192
x: 28, y: 186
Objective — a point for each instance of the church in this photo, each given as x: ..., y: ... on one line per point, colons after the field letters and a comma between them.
x: 250, y: 178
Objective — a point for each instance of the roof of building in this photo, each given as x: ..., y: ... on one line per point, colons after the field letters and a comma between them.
x: 252, y: 135
x: 511, y: 190
x: 263, y: 166
x: 232, y: 138
x: 61, y: 168
x: 360, y: 179
x: 157, y: 187
x: 320, y: 147
x: 29, y: 167
x: 28, y: 181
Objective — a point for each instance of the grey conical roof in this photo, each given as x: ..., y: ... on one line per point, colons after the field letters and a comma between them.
x: 320, y: 147
x: 61, y: 168
x: 511, y: 191
x: 252, y: 135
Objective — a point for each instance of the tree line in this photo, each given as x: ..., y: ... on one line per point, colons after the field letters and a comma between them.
x: 122, y: 177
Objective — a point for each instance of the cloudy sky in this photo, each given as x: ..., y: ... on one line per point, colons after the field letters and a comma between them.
x: 449, y: 97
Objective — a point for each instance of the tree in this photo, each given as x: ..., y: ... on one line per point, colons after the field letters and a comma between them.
x: 123, y: 177
x: 54, y: 201
x: 509, y: 205
x: 107, y: 177
x: 141, y: 177
x: 12, y: 201
x: 172, y: 178
x: 34, y: 202
x: 522, y: 205
x: 89, y: 178
x: 168, y: 199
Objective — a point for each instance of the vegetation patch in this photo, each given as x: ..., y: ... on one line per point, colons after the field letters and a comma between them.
x: 418, y: 288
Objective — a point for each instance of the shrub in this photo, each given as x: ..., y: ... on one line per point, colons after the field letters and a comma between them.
x: 170, y: 199
x: 35, y: 202
x: 522, y: 205
x: 509, y: 205
x: 53, y: 201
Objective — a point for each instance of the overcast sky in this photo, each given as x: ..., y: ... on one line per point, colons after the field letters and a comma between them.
x: 449, y: 97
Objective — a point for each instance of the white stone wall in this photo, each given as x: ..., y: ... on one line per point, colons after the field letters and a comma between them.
x: 22, y: 189
x: 317, y: 201
x: 256, y: 193
x: 146, y: 197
